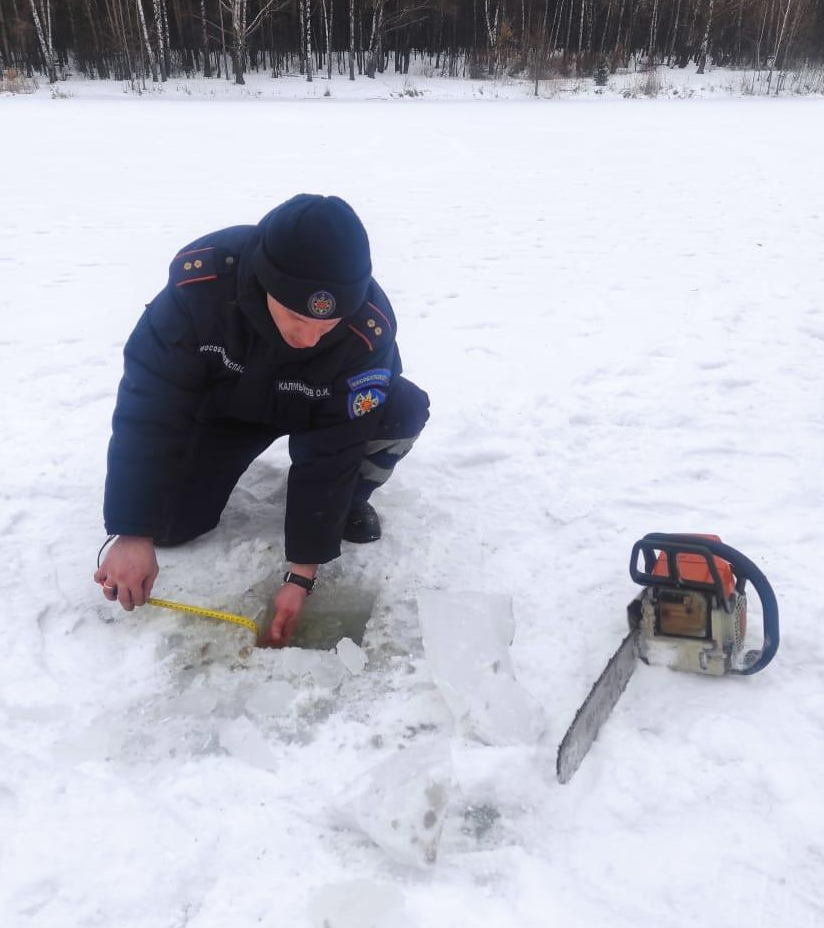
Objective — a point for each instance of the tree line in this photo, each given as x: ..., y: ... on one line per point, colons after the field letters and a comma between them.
x: 158, y: 39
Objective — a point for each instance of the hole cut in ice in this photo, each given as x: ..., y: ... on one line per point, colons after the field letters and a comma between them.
x: 333, y: 612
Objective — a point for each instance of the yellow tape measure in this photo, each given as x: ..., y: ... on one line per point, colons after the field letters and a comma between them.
x: 209, y: 613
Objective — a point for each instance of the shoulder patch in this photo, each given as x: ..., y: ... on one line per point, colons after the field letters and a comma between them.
x: 363, y: 401
x: 191, y: 267
x: 379, y: 377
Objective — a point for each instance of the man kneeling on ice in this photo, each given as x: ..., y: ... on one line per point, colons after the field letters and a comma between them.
x: 262, y: 331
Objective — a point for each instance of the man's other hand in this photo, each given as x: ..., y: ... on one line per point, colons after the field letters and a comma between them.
x: 128, y: 571
x: 289, y: 601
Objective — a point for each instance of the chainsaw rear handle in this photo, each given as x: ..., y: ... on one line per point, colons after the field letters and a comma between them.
x: 743, y: 568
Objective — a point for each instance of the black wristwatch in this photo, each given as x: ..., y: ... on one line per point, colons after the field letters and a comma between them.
x: 304, y: 582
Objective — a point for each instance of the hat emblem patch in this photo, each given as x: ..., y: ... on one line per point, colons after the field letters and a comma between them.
x: 321, y: 304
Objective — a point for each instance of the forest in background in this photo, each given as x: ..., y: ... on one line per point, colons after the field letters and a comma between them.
x: 158, y: 39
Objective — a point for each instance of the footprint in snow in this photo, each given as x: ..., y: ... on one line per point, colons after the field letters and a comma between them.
x: 714, y: 365
x: 476, y: 460
x: 732, y: 383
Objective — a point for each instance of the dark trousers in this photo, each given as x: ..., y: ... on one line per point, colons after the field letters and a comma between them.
x: 220, y: 452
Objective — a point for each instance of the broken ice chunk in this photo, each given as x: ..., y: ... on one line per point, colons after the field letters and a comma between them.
x: 401, y: 803
x: 359, y: 904
x: 321, y: 667
x: 466, y: 638
x: 351, y: 656
x: 243, y: 740
x: 271, y: 698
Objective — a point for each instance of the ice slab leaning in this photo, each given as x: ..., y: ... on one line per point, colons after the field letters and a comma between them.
x: 401, y: 802
x: 466, y: 638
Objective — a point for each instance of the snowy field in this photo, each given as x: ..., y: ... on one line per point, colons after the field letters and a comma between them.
x: 616, y: 308
x: 424, y: 81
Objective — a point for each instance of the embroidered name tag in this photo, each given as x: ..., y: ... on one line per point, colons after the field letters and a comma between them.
x: 379, y: 377
x: 304, y: 389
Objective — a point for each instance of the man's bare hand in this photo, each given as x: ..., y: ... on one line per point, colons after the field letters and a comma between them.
x: 289, y: 601
x: 128, y: 571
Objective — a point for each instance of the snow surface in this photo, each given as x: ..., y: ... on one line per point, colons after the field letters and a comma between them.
x: 425, y: 82
x: 617, y: 311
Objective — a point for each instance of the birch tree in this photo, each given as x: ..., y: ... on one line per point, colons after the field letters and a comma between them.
x: 43, y: 27
x: 328, y: 23
x: 242, y: 29
x: 705, y: 42
x: 491, y: 19
x: 375, y: 37
x: 351, y: 40
x: 162, y: 32
x: 307, y: 28
x: 147, y: 44
x: 207, y: 66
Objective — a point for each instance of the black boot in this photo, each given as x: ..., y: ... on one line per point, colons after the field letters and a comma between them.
x: 362, y: 523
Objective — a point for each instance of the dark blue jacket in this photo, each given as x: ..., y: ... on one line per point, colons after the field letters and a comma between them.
x: 206, y: 349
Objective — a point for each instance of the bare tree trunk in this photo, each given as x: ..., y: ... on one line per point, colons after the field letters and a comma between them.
x: 145, y: 33
x: 607, y: 24
x: 158, y: 16
x: 581, y: 28
x: 207, y: 65
x: 302, y: 39
x: 778, y: 42
x: 239, y: 35
x: 569, y: 30
x: 4, y: 40
x: 44, y: 38
x: 329, y: 39
x: 739, y: 32
x: 308, y: 16
x: 653, y: 32
x: 223, y: 41
x: 674, y: 33
x: 800, y: 9
x: 540, y: 51
x: 492, y: 32
x: 167, y: 58
x: 614, y: 60
x: 328, y: 23
x: 99, y: 60
x: 351, y: 40
x: 706, y: 40
x: 375, y: 38
x: 760, y: 38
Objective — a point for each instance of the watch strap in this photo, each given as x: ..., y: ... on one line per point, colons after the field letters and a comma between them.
x: 304, y: 582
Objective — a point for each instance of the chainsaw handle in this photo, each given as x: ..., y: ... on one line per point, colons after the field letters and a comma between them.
x: 672, y: 546
x: 743, y: 568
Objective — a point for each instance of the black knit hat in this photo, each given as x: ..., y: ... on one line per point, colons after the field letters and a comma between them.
x: 313, y: 257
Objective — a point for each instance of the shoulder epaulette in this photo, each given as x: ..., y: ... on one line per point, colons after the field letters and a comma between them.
x: 191, y: 267
x: 372, y: 325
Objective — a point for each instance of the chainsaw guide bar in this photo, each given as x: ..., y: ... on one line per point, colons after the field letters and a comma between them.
x: 597, y: 707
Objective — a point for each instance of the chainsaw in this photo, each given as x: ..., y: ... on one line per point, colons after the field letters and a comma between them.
x: 690, y: 616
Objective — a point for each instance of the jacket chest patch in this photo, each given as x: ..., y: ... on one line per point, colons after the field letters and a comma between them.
x: 300, y: 388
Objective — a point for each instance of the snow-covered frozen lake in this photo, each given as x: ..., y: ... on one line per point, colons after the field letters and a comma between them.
x: 617, y: 308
